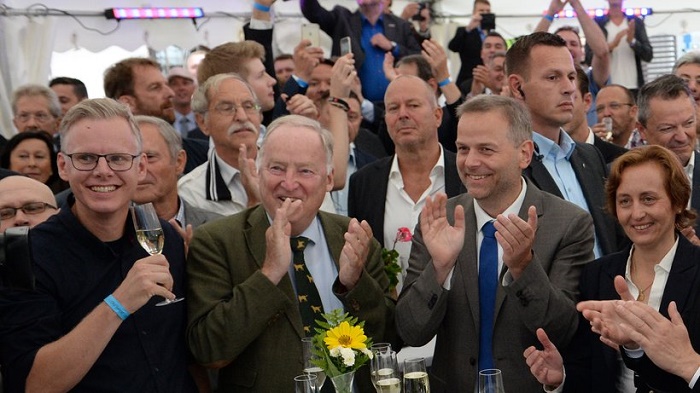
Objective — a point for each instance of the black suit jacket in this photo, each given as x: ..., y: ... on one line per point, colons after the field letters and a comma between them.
x: 367, y: 194
x: 592, y: 366
x: 197, y: 134
x: 695, y: 190
x: 591, y: 172
x: 468, y: 46
x: 370, y: 143
x: 264, y: 38
x: 196, y: 150
x: 340, y: 22
x: 610, y: 151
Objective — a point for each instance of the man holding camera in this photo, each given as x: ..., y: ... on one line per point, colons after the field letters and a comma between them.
x: 372, y: 33
x: 467, y: 40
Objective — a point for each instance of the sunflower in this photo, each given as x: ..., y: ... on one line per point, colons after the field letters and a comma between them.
x: 345, y: 336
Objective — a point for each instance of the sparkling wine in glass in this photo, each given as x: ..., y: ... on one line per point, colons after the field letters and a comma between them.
x: 149, y: 234
x: 310, y: 368
x: 385, y: 373
x: 305, y: 383
x: 415, y: 376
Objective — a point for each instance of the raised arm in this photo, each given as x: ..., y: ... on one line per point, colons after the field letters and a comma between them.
x: 595, y: 38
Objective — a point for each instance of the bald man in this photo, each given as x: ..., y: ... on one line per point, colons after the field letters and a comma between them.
x: 24, y: 202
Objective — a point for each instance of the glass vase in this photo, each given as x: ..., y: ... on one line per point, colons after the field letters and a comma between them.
x: 343, y: 382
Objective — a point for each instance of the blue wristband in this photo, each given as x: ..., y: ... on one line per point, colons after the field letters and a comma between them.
x: 117, y: 307
x: 549, y: 17
x: 444, y: 82
x: 302, y: 83
x: 261, y: 7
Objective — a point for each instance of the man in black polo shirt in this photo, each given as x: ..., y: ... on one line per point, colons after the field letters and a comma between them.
x: 92, y: 324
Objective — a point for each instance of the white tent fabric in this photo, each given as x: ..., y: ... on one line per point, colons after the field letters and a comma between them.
x: 28, y: 42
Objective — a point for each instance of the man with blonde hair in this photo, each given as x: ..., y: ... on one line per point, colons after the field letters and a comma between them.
x: 92, y: 324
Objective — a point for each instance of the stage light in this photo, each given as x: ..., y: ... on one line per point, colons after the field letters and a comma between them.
x: 154, y: 13
x: 641, y: 12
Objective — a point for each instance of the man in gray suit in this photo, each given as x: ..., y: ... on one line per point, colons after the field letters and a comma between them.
x: 165, y: 163
x: 541, y: 243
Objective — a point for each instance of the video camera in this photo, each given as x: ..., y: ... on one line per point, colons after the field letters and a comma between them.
x: 421, y: 6
x: 16, y: 259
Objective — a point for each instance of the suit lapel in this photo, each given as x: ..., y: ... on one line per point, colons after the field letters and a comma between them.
x: 539, y: 175
x: 380, y: 182
x: 334, y: 237
x: 681, y: 278
x: 453, y: 184
x: 254, y: 234
x: 467, y: 260
x: 533, y: 197
x: 695, y: 193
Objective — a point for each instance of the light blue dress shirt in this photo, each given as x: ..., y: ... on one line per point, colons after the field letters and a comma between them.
x: 556, y: 158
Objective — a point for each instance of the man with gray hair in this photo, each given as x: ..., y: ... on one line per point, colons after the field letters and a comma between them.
x: 245, y: 297
x: 687, y: 67
x: 489, y: 267
x: 162, y: 146
x: 35, y: 107
x: 227, y: 111
x: 668, y: 117
x: 92, y: 324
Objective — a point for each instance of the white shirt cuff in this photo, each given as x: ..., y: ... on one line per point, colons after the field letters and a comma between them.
x: 694, y: 379
x: 448, y: 281
x: 368, y: 110
x: 634, y: 353
x: 559, y: 388
x: 257, y: 24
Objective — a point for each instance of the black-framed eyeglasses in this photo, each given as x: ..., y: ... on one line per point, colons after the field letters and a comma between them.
x: 7, y: 213
x: 613, y: 105
x: 118, y: 162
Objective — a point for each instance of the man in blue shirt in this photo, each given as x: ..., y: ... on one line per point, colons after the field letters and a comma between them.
x: 372, y: 33
x: 542, y: 76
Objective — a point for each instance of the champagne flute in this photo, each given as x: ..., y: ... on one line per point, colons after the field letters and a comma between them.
x: 376, y: 349
x: 490, y: 381
x: 305, y: 383
x: 149, y: 234
x: 415, y: 376
x: 310, y: 368
x: 385, y: 373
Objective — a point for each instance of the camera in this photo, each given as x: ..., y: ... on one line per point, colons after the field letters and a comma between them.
x: 488, y: 21
x: 418, y: 17
x: 16, y: 259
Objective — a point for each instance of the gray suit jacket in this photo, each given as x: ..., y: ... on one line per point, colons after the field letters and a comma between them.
x: 237, y: 315
x: 544, y: 296
x: 196, y: 216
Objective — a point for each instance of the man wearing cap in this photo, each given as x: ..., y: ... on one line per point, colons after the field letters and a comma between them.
x: 183, y: 85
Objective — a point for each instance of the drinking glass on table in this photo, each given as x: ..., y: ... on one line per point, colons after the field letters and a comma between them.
x: 490, y: 381
x: 310, y: 368
x: 415, y: 376
x: 305, y: 383
x: 385, y: 372
x: 149, y: 234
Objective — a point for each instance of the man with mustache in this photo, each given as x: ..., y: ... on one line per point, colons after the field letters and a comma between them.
x: 140, y: 84
x: 227, y: 111
x: 542, y: 76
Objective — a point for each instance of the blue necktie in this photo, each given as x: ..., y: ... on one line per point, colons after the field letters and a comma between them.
x: 488, y: 282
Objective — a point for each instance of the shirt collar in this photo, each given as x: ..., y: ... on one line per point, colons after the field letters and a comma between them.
x: 365, y: 20
x: 691, y: 166
x: 665, y: 263
x: 590, y: 139
x: 548, y: 147
x: 439, y: 167
x: 482, y: 217
x: 180, y: 215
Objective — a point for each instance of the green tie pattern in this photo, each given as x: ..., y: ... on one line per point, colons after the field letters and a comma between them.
x: 309, y: 300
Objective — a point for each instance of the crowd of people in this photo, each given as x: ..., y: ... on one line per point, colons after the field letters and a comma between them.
x: 550, y: 190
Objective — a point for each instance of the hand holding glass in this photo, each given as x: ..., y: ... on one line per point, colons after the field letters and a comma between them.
x: 149, y: 234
